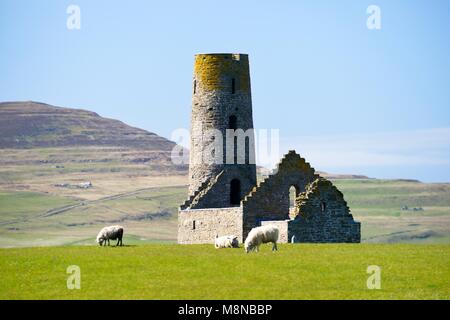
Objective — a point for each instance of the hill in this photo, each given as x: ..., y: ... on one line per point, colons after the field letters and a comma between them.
x: 36, y: 125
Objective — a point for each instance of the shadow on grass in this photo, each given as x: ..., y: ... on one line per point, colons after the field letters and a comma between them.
x: 125, y: 245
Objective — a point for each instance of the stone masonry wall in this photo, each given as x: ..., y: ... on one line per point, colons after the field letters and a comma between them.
x: 208, y: 224
x: 323, y: 216
x: 218, y: 195
x: 213, y: 103
x: 270, y: 200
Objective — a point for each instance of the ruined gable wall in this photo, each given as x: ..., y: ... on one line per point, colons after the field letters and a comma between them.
x: 270, y: 200
x: 323, y: 216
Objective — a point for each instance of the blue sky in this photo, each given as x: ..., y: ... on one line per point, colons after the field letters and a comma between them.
x: 349, y: 99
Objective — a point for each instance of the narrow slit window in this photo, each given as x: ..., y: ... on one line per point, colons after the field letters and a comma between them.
x: 232, y: 122
x: 193, y: 225
x: 195, y: 86
x: 233, y: 86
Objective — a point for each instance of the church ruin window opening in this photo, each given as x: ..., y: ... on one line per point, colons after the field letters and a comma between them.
x: 293, y: 193
x: 235, y: 192
x: 323, y: 206
x: 233, y: 86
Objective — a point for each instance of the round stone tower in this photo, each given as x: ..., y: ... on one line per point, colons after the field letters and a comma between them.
x: 221, y: 100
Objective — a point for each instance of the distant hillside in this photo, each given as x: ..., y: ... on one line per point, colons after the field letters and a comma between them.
x: 262, y: 171
x: 32, y: 124
x: 336, y: 176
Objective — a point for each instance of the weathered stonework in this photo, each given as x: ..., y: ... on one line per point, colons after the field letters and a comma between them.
x: 323, y: 216
x: 202, y: 225
x: 270, y: 199
x: 222, y: 91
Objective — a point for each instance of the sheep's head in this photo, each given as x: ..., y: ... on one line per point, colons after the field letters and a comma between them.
x: 235, y: 242
x: 100, y: 240
x: 248, y: 246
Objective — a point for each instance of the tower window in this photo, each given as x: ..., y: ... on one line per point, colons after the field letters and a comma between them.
x: 232, y: 122
x: 233, y: 86
x: 323, y: 206
x: 195, y: 86
x: 235, y: 192
x: 193, y: 225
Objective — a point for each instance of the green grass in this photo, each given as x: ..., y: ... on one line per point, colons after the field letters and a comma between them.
x: 130, y: 239
x: 24, y: 204
x: 164, y: 271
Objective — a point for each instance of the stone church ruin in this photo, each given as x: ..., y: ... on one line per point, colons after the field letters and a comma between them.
x: 224, y: 196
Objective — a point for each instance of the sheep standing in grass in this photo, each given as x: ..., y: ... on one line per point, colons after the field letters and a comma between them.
x: 226, y: 242
x: 110, y: 233
x: 259, y: 235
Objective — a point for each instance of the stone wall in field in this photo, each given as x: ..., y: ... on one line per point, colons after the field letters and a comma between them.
x: 202, y: 225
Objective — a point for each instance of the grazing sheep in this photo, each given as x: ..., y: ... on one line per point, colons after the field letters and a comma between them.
x: 110, y: 233
x: 226, y: 242
x: 259, y: 235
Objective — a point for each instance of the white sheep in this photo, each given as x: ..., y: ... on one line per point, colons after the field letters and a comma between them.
x: 110, y: 233
x: 226, y: 242
x: 264, y: 234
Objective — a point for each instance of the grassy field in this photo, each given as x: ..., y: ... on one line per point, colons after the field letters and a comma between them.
x: 167, y: 271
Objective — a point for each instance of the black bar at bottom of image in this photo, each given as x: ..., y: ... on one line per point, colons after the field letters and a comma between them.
x: 216, y: 309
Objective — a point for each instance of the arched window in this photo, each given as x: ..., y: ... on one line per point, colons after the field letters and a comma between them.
x: 235, y: 192
x: 232, y: 122
x: 292, y: 195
